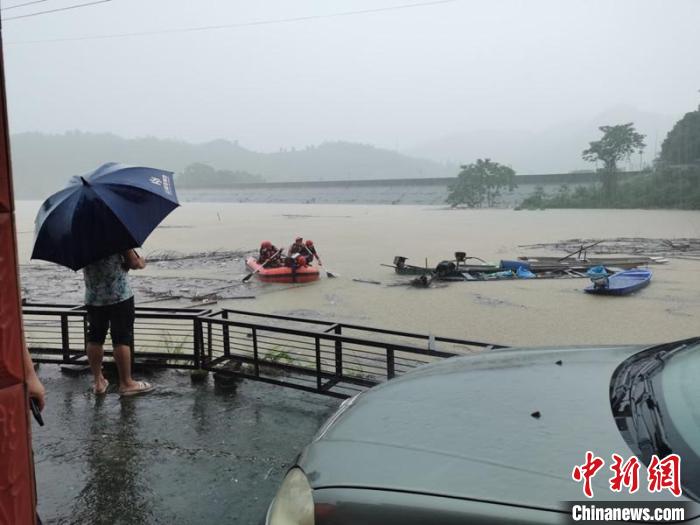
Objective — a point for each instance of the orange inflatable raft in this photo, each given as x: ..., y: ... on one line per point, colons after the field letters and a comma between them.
x: 283, y: 274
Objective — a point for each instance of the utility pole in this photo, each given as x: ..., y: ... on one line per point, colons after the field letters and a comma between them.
x: 17, y: 488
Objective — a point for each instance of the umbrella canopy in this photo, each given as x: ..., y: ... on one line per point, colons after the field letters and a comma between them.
x: 112, y: 209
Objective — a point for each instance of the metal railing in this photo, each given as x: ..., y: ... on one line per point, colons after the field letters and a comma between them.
x: 163, y: 337
x: 335, y: 359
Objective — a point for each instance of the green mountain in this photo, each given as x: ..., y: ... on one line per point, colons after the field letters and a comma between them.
x: 42, y: 163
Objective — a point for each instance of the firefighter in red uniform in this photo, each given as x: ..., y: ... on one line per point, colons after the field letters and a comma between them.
x: 297, y: 247
x: 268, y: 252
x: 309, y: 251
x: 293, y: 252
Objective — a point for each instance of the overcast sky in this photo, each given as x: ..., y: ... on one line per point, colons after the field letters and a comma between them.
x: 394, y: 78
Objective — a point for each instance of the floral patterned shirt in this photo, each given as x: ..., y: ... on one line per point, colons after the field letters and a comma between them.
x: 106, y: 282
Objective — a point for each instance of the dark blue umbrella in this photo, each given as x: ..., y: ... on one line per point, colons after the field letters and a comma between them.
x: 108, y: 211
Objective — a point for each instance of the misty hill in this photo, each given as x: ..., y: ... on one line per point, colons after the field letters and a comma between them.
x: 555, y: 150
x: 43, y: 163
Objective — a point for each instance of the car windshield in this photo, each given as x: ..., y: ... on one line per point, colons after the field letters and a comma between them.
x: 679, y: 397
x: 680, y: 382
x: 655, y: 399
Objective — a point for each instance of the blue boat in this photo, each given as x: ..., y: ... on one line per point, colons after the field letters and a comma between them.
x: 621, y: 283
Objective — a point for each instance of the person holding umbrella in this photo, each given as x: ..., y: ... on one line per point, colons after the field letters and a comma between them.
x: 94, y: 224
x: 110, y: 305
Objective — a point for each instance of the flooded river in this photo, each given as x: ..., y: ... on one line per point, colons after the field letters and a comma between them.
x: 354, y: 240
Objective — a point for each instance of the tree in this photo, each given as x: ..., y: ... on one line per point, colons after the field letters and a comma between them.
x: 535, y: 200
x: 482, y: 180
x: 618, y: 143
x: 682, y: 144
x: 677, y: 177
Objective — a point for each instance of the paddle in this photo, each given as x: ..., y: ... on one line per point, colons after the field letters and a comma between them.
x: 320, y: 263
x: 247, y: 277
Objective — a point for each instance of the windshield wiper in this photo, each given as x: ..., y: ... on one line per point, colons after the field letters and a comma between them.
x: 648, y: 364
x: 647, y: 421
x: 634, y: 402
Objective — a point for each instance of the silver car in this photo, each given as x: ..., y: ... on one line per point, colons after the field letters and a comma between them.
x: 493, y: 438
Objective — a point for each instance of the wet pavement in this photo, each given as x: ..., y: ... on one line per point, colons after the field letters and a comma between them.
x: 186, y: 453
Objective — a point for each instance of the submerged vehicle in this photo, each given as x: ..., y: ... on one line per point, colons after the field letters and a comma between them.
x: 493, y: 438
x: 621, y: 283
x: 283, y: 274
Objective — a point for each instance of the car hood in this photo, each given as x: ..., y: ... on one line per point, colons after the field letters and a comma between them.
x: 464, y: 428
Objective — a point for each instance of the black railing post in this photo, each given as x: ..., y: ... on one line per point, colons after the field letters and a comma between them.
x: 209, y: 343
x: 196, y: 331
x: 390, y: 371
x: 65, y: 338
x: 338, y: 352
x: 85, y: 331
x: 318, y: 363
x: 256, y: 362
x: 132, y: 345
x: 227, y: 342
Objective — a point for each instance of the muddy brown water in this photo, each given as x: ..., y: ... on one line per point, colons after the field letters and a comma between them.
x: 354, y: 240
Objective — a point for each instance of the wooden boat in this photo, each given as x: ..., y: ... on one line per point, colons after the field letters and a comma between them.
x: 445, y: 270
x: 545, y: 264
x: 409, y: 269
x: 622, y: 283
x: 617, y: 262
x: 515, y: 275
x: 459, y: 270
x: 283, y: 274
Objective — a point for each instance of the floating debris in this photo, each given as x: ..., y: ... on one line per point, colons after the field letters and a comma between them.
x: 42, y: 282
x: 173, y: 255
x: 367, y: 281
x: 421, y: 282
x: 626, y: 245
x: 160, y: 299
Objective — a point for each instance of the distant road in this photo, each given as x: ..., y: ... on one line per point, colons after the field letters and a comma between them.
x: 431, y: 191
x: 544, y: 179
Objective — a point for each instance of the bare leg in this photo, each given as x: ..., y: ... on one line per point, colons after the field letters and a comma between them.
x: 122, y: 357
x: 95, y: 353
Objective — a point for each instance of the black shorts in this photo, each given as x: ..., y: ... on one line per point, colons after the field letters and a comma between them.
x: 118, y: 317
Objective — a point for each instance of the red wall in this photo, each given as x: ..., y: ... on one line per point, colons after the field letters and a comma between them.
x: 16, y: 469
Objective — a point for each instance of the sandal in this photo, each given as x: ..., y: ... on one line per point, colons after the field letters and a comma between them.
x: 101, y: 391
x: 142, y: 388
